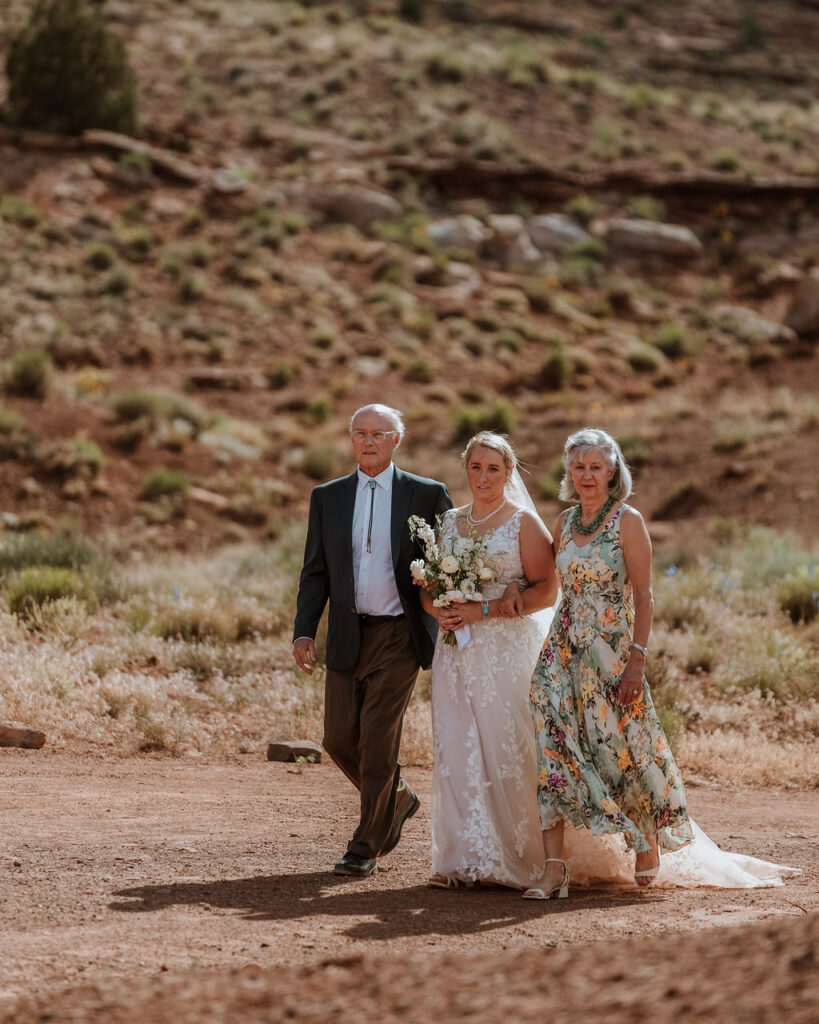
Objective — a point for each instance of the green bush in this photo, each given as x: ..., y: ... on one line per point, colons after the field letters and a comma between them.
x: 163, y: 482
x: 139, y: 403
x: 45, y: 583
x: 28, y: 373
x: 499, y: 417
x: 412, y: 10
x: 319, y: 461
x: 10, y: 422
x: 67, y: 72
x: 66, y: 549
x: 555, y: 370
x: 798, y: 595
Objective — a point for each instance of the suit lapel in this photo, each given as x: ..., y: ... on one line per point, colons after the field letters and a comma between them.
x: 345, y: 514
x: 401, y: 494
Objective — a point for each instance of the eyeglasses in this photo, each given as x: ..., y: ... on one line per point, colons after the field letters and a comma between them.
x: 360, y: 436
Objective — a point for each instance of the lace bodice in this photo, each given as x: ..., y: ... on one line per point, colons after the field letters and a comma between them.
x: 503, y: 548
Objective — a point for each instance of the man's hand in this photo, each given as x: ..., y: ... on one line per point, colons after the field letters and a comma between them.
x: 511, y: 601
x: 304, y: 651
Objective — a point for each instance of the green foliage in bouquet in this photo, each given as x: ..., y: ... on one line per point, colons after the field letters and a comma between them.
x: 67, y: 71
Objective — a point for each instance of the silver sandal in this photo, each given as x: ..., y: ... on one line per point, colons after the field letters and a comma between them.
x: 560, y: 891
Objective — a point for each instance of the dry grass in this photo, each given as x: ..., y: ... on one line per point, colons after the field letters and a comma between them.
x: 188, y: 655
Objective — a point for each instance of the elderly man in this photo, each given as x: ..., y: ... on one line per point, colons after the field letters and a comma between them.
x: 357, y: 555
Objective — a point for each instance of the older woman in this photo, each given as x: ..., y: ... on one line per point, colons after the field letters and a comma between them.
x: 604, y: 763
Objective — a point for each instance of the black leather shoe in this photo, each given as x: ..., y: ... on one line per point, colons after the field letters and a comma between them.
x: 356, y: 866
x: 398, y: 824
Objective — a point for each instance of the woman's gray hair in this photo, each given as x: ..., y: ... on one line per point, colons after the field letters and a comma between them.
x: 585, y: 440
x: 497, y: 443
x: 393, y: 415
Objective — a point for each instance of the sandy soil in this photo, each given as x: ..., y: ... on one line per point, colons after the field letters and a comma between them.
x: 143, y: 877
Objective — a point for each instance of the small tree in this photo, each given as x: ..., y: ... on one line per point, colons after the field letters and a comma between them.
x: 68, y: 72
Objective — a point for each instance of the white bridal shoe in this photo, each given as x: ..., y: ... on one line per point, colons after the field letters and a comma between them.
x: 560, y: 891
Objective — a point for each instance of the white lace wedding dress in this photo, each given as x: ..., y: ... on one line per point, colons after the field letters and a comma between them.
x: 485, y: 822
x: 485, y: 819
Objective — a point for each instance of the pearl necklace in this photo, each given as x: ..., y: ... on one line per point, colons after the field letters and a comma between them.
x: 477, y: 522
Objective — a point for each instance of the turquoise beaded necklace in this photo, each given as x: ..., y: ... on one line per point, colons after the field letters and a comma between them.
x: 598, y: 519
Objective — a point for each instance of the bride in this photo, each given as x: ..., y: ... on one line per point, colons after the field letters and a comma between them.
x: 485, y: 813
x: 485, y: 822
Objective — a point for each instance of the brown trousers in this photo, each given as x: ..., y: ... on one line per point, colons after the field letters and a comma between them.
x: 363, y: 717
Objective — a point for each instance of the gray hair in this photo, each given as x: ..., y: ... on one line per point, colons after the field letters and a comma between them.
x: 586, y: 440
x: 393, y: 415
x: 497, y: 443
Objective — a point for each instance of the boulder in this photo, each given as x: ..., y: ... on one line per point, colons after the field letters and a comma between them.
x: 14, y: 734
x: 648, y: 238
x: 462, y: 232
x: 803, y: 313
x: 356, y: 205
x: 291, y: 750
x: 749, y: 324
x: 555, y: 232
x: 509, y: 240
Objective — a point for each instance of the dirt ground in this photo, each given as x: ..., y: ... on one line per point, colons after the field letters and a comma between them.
x: 197, y: 889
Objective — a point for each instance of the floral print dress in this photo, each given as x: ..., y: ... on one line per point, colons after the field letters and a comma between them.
x: 601, y: 765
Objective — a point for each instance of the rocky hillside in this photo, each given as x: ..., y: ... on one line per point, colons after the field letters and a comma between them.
x: 515, y: 215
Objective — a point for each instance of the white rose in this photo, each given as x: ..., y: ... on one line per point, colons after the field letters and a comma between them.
x: 417, y: 568
x: 486, y: 573
x: 455, y: 596
x: 450, y: 564
x: 441, y: 602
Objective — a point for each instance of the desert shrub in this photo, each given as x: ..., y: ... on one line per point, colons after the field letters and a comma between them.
x: 65, y: 549
x: 70, y: 457
x: 319, y: 461
x: 28, y: 373
x: 647, y: 208
x: 644, y: 358
x: 117, y: 281
x: 41, y: 584
x: 556, y: 369
x: 499, y: 417
x: 19, y: 211
x: 317, y: 410
x: 67, y: 72
x: 420, y: 370
x: 10, y: 422
x: 162, y: 482
x: 279, y: 376
x: 100, y: 256
x: 127, y: 437
x: 412, y: 10
x: 156, y: 405
x: 444, y: 67
x: 798, y: 595
x: 671, y: 339
x: 764, y: 658
x: 636, y: 449
x: 725, y: 158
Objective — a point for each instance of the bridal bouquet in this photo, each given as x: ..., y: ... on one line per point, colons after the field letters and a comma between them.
x: 454, y: 570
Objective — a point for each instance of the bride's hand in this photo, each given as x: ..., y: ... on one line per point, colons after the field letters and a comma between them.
x: 455, y: 616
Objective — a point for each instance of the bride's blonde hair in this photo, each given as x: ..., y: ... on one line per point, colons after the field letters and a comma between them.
x: 498, y: 443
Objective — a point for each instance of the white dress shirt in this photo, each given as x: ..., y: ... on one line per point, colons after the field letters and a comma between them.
x: 373, y: 571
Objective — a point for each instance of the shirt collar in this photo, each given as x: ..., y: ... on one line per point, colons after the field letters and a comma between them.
x: 384, y: 478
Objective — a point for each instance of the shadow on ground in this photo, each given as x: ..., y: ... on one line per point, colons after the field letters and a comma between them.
x: 379, y: 913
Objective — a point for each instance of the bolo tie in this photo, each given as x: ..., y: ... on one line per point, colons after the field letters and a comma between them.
x: 370, y: 525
